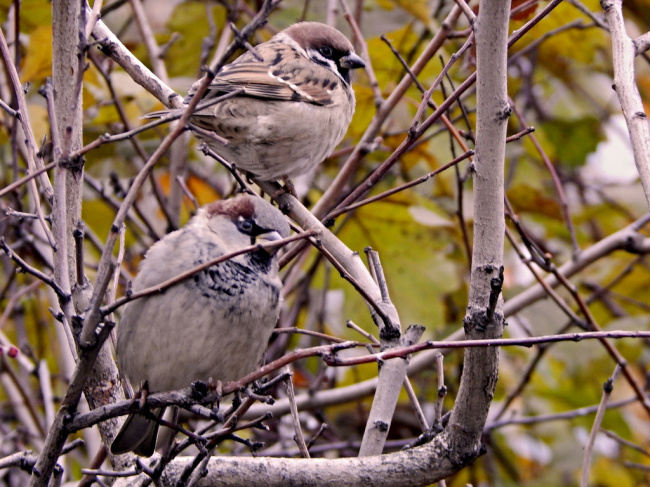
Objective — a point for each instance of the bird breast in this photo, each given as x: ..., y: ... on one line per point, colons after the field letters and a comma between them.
x: 307, y: 135
x: 214, y: 325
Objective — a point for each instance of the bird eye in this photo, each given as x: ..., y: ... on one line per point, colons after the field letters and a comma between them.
x: 246, y: 225
x: 326, y: 51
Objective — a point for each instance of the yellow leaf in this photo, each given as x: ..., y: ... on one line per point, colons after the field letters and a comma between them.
x: 33, y: 13
x: 38, y: 59
x: 40, y: 121
x: 419, y: 9
x: 609, y: 472
x: 203, y: 192
x: 419, y: 153
x: 386, y: 4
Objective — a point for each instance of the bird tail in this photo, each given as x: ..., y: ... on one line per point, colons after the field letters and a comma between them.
x: 138, y: 434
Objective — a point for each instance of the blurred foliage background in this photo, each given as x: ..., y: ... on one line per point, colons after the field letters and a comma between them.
x: 560, y: 77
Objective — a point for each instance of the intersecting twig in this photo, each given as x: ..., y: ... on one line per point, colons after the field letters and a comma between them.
x: 608, y: 387
x: 299, y: 436
x: 392, y: 373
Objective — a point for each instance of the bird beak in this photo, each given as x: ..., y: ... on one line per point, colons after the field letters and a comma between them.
x: 268, y: 237
x: 352, y: 61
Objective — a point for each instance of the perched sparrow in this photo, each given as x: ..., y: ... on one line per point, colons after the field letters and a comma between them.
x: 215, y: 324
x: 296, y: 103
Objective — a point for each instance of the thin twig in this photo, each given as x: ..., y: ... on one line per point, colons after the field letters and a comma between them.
x: 34, y: 161
x: 186, y: 397
x: 25, y: 267
x: 299, y: 437
x: 467, y: 11
x: 187, y: 274
x: 624, y: 442
x: 495, y: 342
x: 25, y: 179
x: 402, y: 187
x: 153, y: 50
x: 602, y: 407
x: 363, y: 51
x: 566, y: 214
x: 187, y: 192
x: 312, y: 333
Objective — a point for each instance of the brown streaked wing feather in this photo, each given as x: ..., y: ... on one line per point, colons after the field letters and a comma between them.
x: 253, y: 77
x: 311, y: 80
x: 284, y: 76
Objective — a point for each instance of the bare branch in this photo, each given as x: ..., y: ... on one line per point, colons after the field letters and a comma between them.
x: 628, y: 93
x: 642, y: 43
x: 608, y: 387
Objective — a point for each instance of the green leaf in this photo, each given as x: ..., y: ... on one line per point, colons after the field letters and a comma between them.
x: 413, y: 246
x: 573, y: 140
x: 191, y: 22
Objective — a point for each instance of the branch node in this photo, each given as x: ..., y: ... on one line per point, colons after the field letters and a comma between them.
x: 496, y: 284
x: 381, y: 426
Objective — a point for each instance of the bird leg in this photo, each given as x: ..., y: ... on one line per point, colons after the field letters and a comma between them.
x: 289, y: 187
x: 142, y: 394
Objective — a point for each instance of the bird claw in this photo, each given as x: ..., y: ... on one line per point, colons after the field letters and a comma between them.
x: 200, y: 389
x: 287, y: 188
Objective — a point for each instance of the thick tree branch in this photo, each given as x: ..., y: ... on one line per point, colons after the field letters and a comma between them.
x: 484, y: 317
x: 623, y: 54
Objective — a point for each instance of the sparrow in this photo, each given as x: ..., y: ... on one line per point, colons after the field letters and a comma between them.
x: 213, y: 325
x: 295, y: 105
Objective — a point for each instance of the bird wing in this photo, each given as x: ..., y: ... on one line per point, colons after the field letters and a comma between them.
x: 282, y: 74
